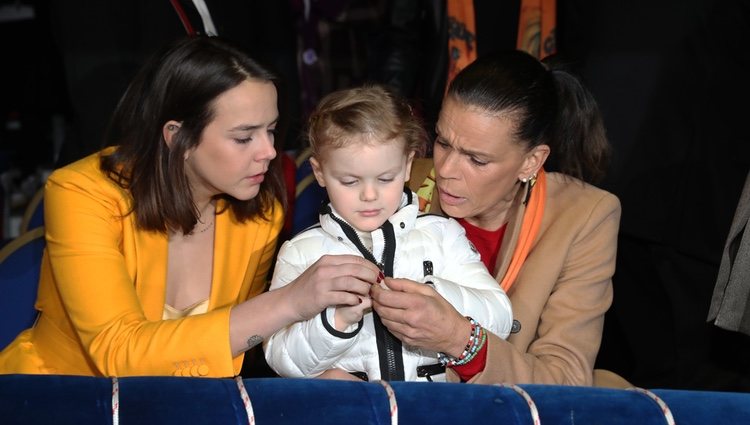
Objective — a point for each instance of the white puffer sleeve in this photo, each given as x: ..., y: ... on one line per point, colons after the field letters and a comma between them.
x: 465, y: 282
x: 306, y: 348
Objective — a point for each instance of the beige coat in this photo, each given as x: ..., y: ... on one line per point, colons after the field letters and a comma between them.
x: 563, y: 289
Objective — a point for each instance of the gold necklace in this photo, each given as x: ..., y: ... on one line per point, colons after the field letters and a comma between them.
x: 194, y: 232
x: 208, y: 226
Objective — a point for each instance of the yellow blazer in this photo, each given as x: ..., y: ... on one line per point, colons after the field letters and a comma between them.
x: 103, y: 281
x: 563, y: 288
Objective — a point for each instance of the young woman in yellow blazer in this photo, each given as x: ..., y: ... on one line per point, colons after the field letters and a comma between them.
x: 158, y: 248
x: 549, y: 238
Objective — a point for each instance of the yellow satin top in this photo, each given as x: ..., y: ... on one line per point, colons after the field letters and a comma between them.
x: 176, y: 313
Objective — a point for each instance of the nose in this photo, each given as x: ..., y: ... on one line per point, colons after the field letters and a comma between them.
x: 445, y: 163
x: 266, y: 150
x: 368, y: 193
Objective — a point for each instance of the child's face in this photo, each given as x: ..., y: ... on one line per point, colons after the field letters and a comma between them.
x: 364, y: 181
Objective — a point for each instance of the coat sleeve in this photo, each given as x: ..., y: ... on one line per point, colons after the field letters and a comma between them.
x: 569, y: 331
x: 85, y: 233
x: 305, y: 348
x: 465, y: 282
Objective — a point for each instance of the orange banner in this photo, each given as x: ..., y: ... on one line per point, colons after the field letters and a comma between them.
x: 462, y: 36
x: 537, y: 26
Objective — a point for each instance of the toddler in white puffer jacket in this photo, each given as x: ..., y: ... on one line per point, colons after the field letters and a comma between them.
x: 363, y: 143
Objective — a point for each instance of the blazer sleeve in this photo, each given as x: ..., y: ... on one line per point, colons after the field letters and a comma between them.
x: 467, y: 285
x: 305, y: 348
x: 86, y: 230
x: 570, y: 326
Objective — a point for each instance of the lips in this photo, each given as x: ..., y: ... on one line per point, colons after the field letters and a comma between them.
x: 257, y: 178
x: 369, y: 213
x: 446, y: 198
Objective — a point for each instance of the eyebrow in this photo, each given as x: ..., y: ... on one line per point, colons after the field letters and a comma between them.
x: 249, y: 127
x: 461, y: 150
x: 342, y: 173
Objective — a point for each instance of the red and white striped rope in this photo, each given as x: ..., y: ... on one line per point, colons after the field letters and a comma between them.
x: 245, y: 400
x: 529, y: 401
x: 115, y: 401
x: 662, y: 405
x: 391, y: 401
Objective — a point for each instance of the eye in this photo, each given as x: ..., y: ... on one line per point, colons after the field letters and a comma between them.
x: 385, y: 179
x: 477, y: 162
x: 243, y: 137
x: 348, y: 182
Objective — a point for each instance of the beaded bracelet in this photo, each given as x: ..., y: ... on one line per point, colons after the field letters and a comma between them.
x: 477, y: 339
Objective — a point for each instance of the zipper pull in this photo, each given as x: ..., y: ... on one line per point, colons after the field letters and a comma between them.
x: 427, y: 267
x: 427, y: 271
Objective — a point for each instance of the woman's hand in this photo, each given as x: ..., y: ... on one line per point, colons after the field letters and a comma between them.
x: 417, y: 315
x: 332, y: 280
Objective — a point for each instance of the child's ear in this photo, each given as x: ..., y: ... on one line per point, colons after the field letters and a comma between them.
x: 409, y: 161
x: 317, y: 171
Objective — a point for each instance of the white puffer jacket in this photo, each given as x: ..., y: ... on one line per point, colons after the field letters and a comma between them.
x: 406, y: 246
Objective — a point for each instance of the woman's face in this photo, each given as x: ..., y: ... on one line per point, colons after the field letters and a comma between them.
x: 477, y: 164
x: 237, y: 146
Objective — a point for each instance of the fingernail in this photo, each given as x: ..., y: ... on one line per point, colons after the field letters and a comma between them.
x: 381, y: 276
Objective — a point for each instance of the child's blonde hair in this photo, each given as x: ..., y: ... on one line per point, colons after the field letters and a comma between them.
x: 371, y: 113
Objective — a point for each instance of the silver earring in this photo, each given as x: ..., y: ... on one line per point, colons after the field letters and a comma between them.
x: 524, y: 179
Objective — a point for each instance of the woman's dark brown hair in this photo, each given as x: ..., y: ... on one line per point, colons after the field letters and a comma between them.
x: 547, y: 105
x: 180, y: 83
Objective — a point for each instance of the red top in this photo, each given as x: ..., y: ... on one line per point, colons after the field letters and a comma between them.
x: 487, y: 242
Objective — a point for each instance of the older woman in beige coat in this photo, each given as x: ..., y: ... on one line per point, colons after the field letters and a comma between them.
x: 548, y: 237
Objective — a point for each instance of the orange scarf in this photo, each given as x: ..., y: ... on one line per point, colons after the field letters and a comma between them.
x: 536, y: 27
x: 530, y: 223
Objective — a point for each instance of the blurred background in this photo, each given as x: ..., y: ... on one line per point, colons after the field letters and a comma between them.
x: 670, y: 76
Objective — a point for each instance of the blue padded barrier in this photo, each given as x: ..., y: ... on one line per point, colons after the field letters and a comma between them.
x: 171, y: 400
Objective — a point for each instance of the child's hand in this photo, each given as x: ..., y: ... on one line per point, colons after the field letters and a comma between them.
x: 347, y: 315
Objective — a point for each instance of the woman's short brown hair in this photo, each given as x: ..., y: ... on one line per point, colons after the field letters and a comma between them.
x: 371, y: 111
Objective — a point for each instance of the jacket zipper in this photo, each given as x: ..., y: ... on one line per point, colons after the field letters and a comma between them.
x: 389, y: 347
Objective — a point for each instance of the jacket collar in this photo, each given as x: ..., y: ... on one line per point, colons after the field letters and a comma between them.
x: 383, y: 238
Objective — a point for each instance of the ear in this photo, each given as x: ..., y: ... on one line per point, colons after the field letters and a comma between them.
x: 409, y: 162
x: 168, y: 131
x: 317, y: 171
x: 533, y: 161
